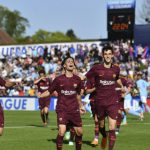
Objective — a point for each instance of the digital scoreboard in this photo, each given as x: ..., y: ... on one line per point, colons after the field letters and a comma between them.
x: 120, y: 19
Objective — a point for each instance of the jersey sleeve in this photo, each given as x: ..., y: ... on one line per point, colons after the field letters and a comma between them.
x: 117, y: 73
x: 54, y: 85
x: 91, y: 73
x: 80, y: 86
x: 89, y: 84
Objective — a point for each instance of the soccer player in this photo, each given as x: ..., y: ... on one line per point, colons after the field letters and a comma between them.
x: 6, y: 84
x: 121, y: 95
x: 90, y: 89
x: 69, y: 106
x: 142, y: 87
x: 43, y: 85
x: 106, y: 76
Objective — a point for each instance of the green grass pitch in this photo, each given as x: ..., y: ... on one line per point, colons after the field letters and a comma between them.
x: 24, y: 131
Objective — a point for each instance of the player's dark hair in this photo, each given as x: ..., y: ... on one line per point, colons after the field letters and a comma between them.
x: 63, y: 62
x: 106, y: 48
x: 42, y: 71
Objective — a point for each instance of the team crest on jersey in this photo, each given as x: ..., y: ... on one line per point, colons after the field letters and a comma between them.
x: 75, y: 85
x: 101, y: 75
x: 114, y: 75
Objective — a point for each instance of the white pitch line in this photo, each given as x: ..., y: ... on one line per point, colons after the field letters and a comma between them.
x: 89, y: 125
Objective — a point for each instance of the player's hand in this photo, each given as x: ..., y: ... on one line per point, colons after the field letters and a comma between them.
x: 38, y: 94
x: 82, y: 110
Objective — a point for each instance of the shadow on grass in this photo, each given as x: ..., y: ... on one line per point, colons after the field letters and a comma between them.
x: 87, y: 143
x: 54, y: 141
x: 36, y: 125
x: 66, y: 142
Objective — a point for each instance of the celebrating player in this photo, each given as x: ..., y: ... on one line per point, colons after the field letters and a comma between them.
x: 90, y: 89
x: 43, y: 84
x: 5, y: 84
x: 106, y: 76
x: 121, y: 95
x: 68, y: 86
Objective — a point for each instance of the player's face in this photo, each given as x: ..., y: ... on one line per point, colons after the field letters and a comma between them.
x: 108, y: 55
x: 42, y: 75
x: 69, y: 64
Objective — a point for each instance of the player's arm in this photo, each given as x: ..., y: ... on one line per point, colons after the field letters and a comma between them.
x: 38, y: 80
x: 128, y: 90
x: 120, y: 83
x: 89, y: 91
x: 44, y: 94
x: 81, y: 107
x: 11, y: 83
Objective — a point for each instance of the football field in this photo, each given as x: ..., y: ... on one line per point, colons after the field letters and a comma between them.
x: 24, y: 131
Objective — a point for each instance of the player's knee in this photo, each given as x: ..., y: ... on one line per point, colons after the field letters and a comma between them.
x: 1, y: 132
x: 46, y: 110
x: 102, y: 124
x: 61, y: 132
x: 111, y: 127
x: 79, y: 132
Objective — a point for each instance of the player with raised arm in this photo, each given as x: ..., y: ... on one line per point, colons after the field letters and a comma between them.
x: 6, y: 84
x: 106, y: 76
x: 43, y: 84
x: 69, y: 106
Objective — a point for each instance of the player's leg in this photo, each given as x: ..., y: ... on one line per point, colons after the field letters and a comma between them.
x: 78, y: 137
x: 103, y: 133
x: 61, y: 121
x: 41, y: 106
x: 96, y: 121
x: 96, y: 130
x: 75, y: 118
x: 46, y: 114
x: 112, y: 135
x: 43, y: 117
x: 60, y: 136
x: 112, y: 112
x: 124, y: 116
x: 72, y: 135
x: 67, y: 134
x: 119, y: 119
x: 101, y: 117
x: 144, y: 101
x: 1, y: 121
x: 1, y: 131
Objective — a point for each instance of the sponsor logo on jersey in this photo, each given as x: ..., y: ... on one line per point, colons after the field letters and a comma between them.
x: 66, y: 92
x: 75, y: 85
x: 104, y: 82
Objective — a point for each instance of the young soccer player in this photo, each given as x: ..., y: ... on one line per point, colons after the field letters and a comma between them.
x: 6, y: 84
x: 106, y: 76
x: 43, y: 84
x: 69, y: 106
x: 90, y: 89
x: 142, y: 87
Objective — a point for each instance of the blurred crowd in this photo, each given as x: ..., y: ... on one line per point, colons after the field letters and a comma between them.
x: 131, y: 59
